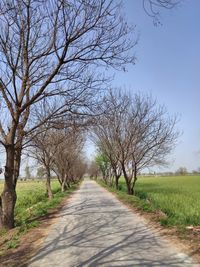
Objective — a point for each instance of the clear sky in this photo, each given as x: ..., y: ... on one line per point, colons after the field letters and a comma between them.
x: 168, y: 67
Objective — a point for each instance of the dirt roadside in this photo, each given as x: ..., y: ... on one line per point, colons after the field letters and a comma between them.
x: 30, y: 242
x: 188, y: 240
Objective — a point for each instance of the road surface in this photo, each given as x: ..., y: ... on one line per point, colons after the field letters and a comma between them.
x: 95, y: 229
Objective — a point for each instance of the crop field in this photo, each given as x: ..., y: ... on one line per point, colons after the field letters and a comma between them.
x: 32, y: 204
x: 32, y: 201
x: 178, y: 197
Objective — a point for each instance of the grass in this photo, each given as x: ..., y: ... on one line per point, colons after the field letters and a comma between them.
x: 178, y: 197
x: 32, y: 203
x: 131, y: 200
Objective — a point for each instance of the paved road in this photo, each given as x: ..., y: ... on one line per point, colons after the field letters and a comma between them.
x: 95, y: 229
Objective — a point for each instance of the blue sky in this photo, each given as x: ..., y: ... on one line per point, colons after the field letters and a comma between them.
x: 168, y: 67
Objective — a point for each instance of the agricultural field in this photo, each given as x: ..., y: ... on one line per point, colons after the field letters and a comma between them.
x: 178, y: 197
x: 32, y: 201
x: 32, y: 204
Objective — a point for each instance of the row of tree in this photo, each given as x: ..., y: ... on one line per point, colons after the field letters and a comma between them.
x: 52, y: 56
x: 135, y: 134
x: 59, y: 151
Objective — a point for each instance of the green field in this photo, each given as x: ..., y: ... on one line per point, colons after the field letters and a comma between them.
x: 32, y: 201
x: 178, y: 197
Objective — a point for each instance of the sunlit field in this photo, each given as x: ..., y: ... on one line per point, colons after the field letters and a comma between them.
x: 178, y: 197
x: 32, y: 200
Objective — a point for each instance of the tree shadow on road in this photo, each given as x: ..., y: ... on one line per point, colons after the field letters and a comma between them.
x: 97, y: 231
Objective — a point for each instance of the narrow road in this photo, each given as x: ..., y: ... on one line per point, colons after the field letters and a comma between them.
x: 95, y: 229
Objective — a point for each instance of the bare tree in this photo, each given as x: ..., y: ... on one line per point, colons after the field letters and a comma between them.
x: 79, y: 169
x: 59, y: 150
x: 105, y: 132
x: 47, y: 51
x: 154, y: 134
x: 151, y: 7
x: 43, y: 149
x: 182, y: 171
x: 68, y: 164
x: 93, y: 170
x: 136, y: 132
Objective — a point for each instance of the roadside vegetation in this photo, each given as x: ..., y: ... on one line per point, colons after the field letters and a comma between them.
x: 171, y: 204
x: 174, y: 198
x: 32, y: 204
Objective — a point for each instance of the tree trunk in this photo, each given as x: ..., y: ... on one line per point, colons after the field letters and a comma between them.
x: 48, y: 184
x: 64, y: 186
x: 59, y: 180
x: 128, y: 181
x: 117, y: 176
x: 8, y: 196
x: 129, y: 189
x: 59, y: 176
x: 117, y: 181
x: 73, y: 180
x: 111, y: 180
x: 17, y: 163
x: 134, y: 181
x: 105, y: 179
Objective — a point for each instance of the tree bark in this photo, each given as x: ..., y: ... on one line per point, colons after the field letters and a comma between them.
x: 128, y: 182
x: 134, y: 180
x: 64, y: 186
x: 105, y: 179
x: 17, y: 163
x: 59, y: 180
x: 117, y: 176
x: 117, y: 181
x: 48, y: 183
x: 8, y: 196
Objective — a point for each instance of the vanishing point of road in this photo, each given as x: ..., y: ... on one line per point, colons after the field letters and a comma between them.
x: 95, y: 229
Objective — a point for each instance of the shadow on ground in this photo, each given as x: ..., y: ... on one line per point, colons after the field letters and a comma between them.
x: 95, y: 229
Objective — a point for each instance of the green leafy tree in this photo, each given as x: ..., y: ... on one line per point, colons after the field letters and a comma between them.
x: 103, y: 164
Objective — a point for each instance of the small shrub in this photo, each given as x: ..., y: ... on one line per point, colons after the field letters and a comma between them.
x: 12, y: 244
